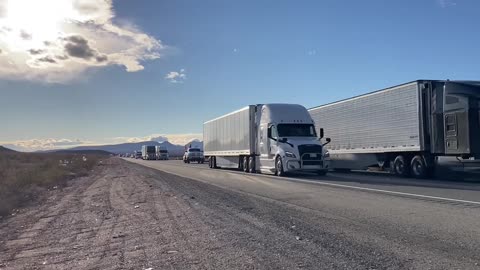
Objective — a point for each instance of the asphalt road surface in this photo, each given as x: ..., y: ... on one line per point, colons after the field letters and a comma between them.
x: 170, y: 215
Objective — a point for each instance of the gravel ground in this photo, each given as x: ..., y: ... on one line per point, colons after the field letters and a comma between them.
x: 126, y: 216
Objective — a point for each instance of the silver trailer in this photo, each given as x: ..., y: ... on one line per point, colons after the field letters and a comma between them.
x: 404, y: 128
x: 148, y: 152
x: 269, y: 138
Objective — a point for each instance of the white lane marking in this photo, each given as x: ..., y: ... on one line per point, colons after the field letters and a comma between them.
x: 351, y: 187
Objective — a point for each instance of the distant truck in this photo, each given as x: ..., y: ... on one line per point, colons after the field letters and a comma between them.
x: 148, y: 152
x: 267, y: 138
x: 193, y: 155
x: 404, y: 128
x: 161, y: 153
x: 137, y: 154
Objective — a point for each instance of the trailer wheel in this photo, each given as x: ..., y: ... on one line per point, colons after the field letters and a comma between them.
x: 245, y: 164
x: 419, y: 168
x: 279, y: 167
x: 210, y: 163
x: 401, y: 167
x: 251, y: 164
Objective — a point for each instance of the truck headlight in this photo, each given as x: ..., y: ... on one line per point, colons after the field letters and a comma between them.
x: 290, y: 155
x: 326, y: 155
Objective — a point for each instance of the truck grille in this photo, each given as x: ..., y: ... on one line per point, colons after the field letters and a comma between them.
x: 310, y: 149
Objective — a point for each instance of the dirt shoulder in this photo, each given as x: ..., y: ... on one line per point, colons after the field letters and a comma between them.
x: 126, y: 216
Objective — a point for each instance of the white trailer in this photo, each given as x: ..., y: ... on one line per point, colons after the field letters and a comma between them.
x: 270, y: 138
x: 148, y: 152
x: 405, y: 127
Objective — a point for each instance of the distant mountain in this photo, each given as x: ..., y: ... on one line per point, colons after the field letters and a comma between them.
x: 81, y: 152
x: 4, y: 149
x: 174, y: 150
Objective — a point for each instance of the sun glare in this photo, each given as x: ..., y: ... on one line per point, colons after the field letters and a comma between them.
x: 32, y: 22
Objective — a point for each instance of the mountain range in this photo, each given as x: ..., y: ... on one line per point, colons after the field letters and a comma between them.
x: 173, y: 149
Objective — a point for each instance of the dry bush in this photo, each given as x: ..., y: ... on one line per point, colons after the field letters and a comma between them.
x: 23, y: 174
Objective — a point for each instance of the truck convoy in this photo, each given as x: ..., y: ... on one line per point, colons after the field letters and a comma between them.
x: 137, y: 154
x: 161, y: 153
x: 267, y: 138
x: 404, y: 128
x: 148, y: 152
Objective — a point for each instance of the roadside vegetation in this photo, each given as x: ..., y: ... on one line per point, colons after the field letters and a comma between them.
x: 24, y: 175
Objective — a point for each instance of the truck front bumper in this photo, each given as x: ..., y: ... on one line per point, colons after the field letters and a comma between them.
x: 195, y: 158
x: 299, y: 165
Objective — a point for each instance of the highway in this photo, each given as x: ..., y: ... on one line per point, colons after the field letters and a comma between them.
x: 377, y: 221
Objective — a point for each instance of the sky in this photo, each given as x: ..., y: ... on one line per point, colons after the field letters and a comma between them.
x: 78, y: 72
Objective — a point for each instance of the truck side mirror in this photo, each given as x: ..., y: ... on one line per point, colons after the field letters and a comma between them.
x: 328, y: 140
x: 321, y: 133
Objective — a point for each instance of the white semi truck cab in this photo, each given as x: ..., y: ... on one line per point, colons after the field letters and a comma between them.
x: 287, y: 141
x: 267, y: 138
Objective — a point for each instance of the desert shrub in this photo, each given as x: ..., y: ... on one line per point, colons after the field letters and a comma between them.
x: 22, y: 174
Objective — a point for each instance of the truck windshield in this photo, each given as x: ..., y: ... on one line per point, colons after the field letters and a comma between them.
x: 296, y: 130
x: 194, y: 150
x: 150, y: 149
x: 163, y: 151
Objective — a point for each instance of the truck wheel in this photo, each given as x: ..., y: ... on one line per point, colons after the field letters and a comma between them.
x: 251, y: 164
x: 401, y: 167
x: 210, y: 163
x: 245, y: 164
x: 240, y: 163
x: 419, y: 168
x: 279, y: 167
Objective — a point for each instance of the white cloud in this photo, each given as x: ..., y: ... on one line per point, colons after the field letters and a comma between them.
x: 180, y: 139
x: 57, y: 40
x: 176, y: 76
x: 51, y: 144
x: 446, y: 3
x: 42, y: 144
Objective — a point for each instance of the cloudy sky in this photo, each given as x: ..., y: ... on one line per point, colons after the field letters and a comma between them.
x: 76, y: 72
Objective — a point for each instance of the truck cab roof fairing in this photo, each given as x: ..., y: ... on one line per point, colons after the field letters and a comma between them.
x: 285, y: 113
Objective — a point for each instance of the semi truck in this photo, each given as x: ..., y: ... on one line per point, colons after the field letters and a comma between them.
x: 266, y: 138
x: 148, y: 152
x: 405, y: 128
x: 161, y: 153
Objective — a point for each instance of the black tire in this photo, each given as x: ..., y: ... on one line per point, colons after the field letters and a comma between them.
x: 251, y: 165
x: 210, y: 163
x: 202, y: 161
x: 240, y: 163
x: 279, y: 167
x: 401, y: 166
x: 245, y: 164
x: 322, y: 172
x: 419, y: 167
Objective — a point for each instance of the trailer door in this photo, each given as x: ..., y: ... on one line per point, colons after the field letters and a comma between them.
x: 456, y: 120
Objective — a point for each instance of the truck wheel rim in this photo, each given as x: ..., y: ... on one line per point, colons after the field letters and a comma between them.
x: 417, y: 168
